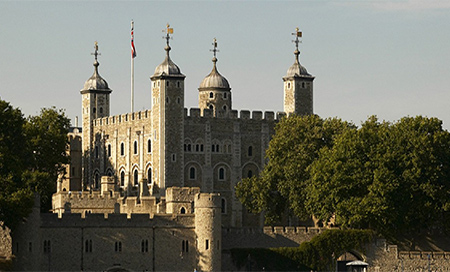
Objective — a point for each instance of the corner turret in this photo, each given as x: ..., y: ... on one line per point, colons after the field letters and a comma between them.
x: 95, y: 104
x: 214, y: 91
x: 298, y: 85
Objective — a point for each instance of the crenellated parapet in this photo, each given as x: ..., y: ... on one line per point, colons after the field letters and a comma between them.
x: 235, y: 115
x: 123, y: 118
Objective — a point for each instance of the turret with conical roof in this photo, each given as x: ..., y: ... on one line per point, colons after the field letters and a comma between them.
x: 215, y: 91
x: 96, y: 104
x: 167, y: 121
x: 298, y: 85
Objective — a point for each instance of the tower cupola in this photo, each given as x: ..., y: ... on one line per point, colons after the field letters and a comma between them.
x: 298, y: 85
x: 167, y: 67
x: 95, y: 82
x: 214, y: 90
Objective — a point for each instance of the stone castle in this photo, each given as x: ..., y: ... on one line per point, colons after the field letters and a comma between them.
x: 154, y: 190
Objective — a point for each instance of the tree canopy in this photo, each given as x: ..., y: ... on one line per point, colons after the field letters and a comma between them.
x: 32, y: 151
x: 390, y: 177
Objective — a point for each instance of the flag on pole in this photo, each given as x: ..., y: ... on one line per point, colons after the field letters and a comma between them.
x: 133, y: 50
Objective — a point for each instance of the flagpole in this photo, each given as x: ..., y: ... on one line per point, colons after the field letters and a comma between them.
x: 132, y: 69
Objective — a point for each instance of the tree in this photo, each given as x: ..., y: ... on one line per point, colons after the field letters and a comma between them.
x: 283, y: 182
x: 393, y: 178
x: 389, y: 177
x: 32, y: 152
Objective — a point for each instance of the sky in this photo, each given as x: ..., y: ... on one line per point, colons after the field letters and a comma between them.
x: 384, y: 58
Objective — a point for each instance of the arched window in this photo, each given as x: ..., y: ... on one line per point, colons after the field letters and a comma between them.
x: 221, y: 173
x: 135, y: 177
x: 211, y: 95
x: 192, y: 174
x: 122, y: 178
x: 149, y: 146
x: 224, y: 107
x: 122, y: 149
x: 149, y: 175
x: 135, y: 149
x: 250, y: 151
x: 183, y: 210
x: 211, y: 107
x: 249, y: 174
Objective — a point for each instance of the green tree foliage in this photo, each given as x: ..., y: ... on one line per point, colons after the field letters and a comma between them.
x: 32, y: 152
x: 393, y: 178
x: 282, y: 184
x: 390, y: 177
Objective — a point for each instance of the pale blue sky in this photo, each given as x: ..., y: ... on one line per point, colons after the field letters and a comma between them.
x: 388, y: 58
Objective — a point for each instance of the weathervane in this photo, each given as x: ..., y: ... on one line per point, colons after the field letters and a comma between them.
x: 96, y: 50
x: 168, y: 31
x: 297, y: 34
x: 215, y: 50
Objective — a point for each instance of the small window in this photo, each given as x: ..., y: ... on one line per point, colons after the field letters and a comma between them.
x: 213, y: 148
x: 211, y: 107
x: 178, y: 84
x: 185, y: 246
x: 122, y: 178
x: 167, y: 83
x: 96, y: 152
x: 250, y: 151
x: 96, y: 180
x: 197, y: 148
x: 211, y: 95
x: 47, y: 246
x: 289, y: 85
x: 167, y: 100
x: 179, y: 100
x: 221, y: 173
x: 94, y: 110
x: 30, y: 247
x: 149, y: 146
x: 118, y: 247
x: 122, y: 149
x: 224, y: 95
x: 109, y: 150
x: 88, y: 246
x: 224, y: 206
x: 135, y: 149
x: 192, y: 174
x: 224, y: 107
x: 101, y: 110
x: 249, y: 174
x: 303, y: 85
x: 174, y: 157
x: 207, y: 244
x: 183, y: 210
x: 135, y: 177
x: 144, y: 245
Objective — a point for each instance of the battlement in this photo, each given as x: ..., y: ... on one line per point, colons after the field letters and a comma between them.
x: 87, y: 195
x: 424, y: 255
x: 50, y: 220
x: 277, y: 230
x: 122, y: 118
x: 207, y: 200
x: 234, y: 114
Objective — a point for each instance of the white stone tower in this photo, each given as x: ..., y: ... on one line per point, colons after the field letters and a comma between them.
x: 298, y: 86
x: 214, y: 91
x: 95, y: 104
x: 208, y: 227
x: 168, y: 121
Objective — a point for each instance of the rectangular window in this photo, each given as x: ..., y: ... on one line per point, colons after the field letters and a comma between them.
x: 30, y: 247
x: 47, y: 246
x: 118, y: 246
x: 207, y: 244
x: 144, y: 245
